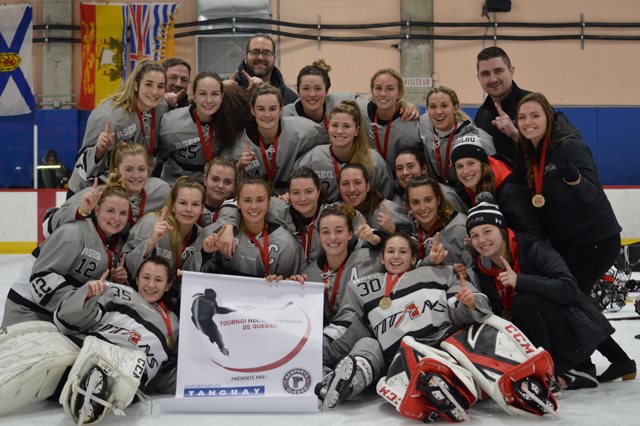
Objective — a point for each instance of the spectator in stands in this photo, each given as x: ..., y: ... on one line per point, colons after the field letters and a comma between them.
x: 52, y: 173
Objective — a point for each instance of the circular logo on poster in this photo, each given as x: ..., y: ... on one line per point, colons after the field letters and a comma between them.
x: 296, y: 381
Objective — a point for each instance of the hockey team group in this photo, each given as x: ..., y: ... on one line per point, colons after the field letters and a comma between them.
x: 457, y: 254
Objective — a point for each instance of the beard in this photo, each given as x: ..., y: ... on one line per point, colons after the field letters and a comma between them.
x: 261, y: 72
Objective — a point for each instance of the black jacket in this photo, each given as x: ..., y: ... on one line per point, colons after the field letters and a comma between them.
x: 487, y: 112
x: 571, y: 214
x: 277, y: 80
x: 544, y: 273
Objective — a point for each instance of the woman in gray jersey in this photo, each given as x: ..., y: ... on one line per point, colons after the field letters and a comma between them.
x: 440, y: 126
x: 387, y: 131
x: 220, y: 177
x: 439, y: 231
x: 76, y: 253
x: 315, y: 102
x: 192, y: 136
x: 261, y: 248
x: 380, y: 214
x: 136, y: 320
x: 171, y: 234
x: 411, y: 163
x: 338, y: 263
x: 131, y: 115
x: 272, y: 144
x: 348, y: 143
x: 131, y: 164
x: 427, y: 303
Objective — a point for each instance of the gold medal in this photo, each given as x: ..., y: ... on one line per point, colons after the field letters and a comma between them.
x: 385, y: 302
x: 538, y: 201
x: 170, y: 342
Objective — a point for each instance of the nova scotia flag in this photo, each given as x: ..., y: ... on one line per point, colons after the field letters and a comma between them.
x: 16, y: 37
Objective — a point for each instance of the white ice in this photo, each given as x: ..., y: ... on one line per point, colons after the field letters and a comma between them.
x: 617, y: 402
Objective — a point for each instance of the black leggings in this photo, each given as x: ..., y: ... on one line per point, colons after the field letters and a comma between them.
x: 587, y: 263
x: 543, y: 322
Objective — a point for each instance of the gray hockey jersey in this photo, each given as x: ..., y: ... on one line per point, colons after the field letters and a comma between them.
x: 297, y: 136
x: 402, y: 135
x: 326, y: 166
x: 180, y: 147
x: 123, y: 318
x: 151, y: 199
x: 70, y: 257
x: 452, y: 237
x: 431, y: 144
x: 127, y: 128
x: 330, y: 101
x: 423, y: 305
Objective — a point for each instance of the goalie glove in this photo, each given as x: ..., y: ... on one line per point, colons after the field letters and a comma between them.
x: 103, y: 377
x: 33, y: 358
x: 506, y: 365
x: 351, y: 376
x: 425, y: 383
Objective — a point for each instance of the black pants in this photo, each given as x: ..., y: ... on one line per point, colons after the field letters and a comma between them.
x: 543, y: 322
x: 587, y: 263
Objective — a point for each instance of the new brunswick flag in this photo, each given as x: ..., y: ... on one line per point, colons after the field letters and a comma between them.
x: 103, y: 39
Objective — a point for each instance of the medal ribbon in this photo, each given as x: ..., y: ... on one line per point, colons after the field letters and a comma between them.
x: 152, y: 127
x: 143, y: 202
x: 336, y: 282
x: 308, y: 238
x: 381, y: 149
x: 422, y: 237
x: 444, y: 168
x: 207, y: 144
x: 390, y: 282
x: 264, y: 250
x: 109, y: 248
x: 162, y: 310
x: 269, y: 166
x: 538, y: 169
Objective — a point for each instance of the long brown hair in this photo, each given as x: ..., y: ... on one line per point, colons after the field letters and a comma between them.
x: 373, y: 197
x: 360, y: 151
x: 445, y: 210
x: 524, y: 144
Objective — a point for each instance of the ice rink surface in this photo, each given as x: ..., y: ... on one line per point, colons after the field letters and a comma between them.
x: 611, y: 404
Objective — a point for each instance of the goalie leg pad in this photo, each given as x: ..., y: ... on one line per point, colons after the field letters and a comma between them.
x: 103, y: 374
x: 424, y: 383
x: 500, y: 356
x: 33, y: 358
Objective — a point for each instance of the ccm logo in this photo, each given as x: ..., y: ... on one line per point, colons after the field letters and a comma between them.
x: 520, y: 338
x: 390, y: 395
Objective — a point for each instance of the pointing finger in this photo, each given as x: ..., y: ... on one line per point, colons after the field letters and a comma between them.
x: 499, y: 109
x: 506, y: 264
x: 107, y: 129
x: 122, y: 260
x: 104, y: 275
x: 163, y: 213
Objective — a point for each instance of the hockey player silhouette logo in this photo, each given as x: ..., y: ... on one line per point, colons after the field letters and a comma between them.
x: 204, y: 307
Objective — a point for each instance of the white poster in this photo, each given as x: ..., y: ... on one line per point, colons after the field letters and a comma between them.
x: 246, y: 345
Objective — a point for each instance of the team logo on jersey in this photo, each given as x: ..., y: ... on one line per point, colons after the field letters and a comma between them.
x: 134, y: 336
x: 411, y: 310
x: 296, y: 381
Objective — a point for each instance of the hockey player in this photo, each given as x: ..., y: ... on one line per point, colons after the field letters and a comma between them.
x: 478, y: 173
x: 441, y: 125
x: 439, y: 230
x: 172, y: 233
x: 348, y: 143
x: 529, y: 283
x: 387, y: 132
x: 192, y: 136
x: 261, y: 248
x: 220, y: 177
x: 77, y: 252
x: 380, y: 214
x: 131, y: 115
x: 132, y: 165
x: 203, y: 308
x: 272, y: 144
x: 339, y: 263
x: 426, y: 303
x: 410, y: 164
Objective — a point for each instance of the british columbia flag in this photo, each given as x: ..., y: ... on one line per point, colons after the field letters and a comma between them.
x: 151, y: 31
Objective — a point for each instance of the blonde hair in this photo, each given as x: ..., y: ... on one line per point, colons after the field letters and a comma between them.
x: 127, y: 97
x: 123, y: 149
x: 397, y: 77
x: 459, y: 114
x: 360, y: 151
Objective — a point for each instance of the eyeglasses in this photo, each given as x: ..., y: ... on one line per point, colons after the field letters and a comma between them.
x: 264, y: 53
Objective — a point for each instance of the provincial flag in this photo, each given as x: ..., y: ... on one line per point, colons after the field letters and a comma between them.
x: 151, y: 31
x: 16, y: 38
x: 103, y: 36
